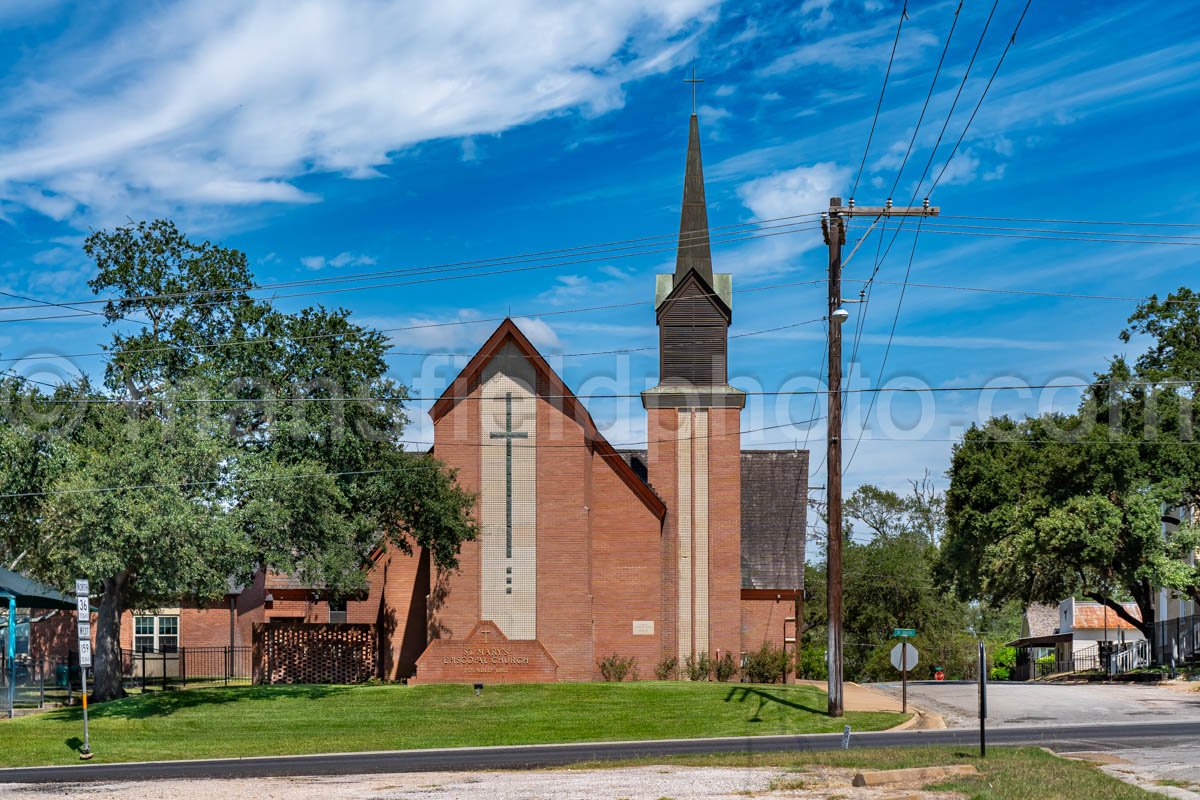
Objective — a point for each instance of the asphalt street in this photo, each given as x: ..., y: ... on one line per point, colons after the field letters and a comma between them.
x: 1026, y: 704
x: 1106, y: 736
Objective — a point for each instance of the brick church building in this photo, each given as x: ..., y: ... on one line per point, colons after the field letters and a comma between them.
x: 691, y: 545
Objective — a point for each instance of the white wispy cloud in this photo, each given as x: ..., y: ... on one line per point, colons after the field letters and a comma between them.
x: 343, y: 259
x: 230, y: 103
x: 793, y: 191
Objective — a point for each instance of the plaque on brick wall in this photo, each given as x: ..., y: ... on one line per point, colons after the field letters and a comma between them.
x: 486, y: 655
x: 643, y: 627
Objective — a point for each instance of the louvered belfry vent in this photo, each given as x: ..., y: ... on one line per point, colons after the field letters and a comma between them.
x: 692, y: 338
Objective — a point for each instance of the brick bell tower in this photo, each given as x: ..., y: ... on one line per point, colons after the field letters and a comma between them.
x: 694, y: 447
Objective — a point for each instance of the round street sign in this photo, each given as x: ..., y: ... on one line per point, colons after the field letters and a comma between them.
x: 912, y: 656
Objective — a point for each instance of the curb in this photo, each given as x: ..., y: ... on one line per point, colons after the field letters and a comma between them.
x: 921, y: 721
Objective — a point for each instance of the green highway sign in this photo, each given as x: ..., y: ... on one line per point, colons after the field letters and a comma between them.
x: 904, y: 633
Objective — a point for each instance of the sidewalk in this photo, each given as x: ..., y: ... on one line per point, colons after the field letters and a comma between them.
x: 860, y: 698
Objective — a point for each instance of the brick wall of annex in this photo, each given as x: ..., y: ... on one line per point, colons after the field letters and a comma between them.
x: 763, y: 621
x: 627, y: 570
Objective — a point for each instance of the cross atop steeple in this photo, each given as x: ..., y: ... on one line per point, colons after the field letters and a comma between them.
x: 693, y: 81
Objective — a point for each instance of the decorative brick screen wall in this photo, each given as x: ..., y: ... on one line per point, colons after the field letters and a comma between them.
x: 306, y: 653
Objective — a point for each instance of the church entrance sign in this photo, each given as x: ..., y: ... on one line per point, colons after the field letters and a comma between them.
x: 486, y: 655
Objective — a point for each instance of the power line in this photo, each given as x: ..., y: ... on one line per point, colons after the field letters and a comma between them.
x: 891, y: 336
x: 690, y: 238
x: 1011, y: 40
x: 423, y: 326
x: 1077, y: 221
x: 288, y: 478
x: 789, y: 393
x: 1028, y: 292
x: 928, y: 97
x: 941, y: 232
x: 945, y: 124
x: 954, y: 103
x: 882, y: 89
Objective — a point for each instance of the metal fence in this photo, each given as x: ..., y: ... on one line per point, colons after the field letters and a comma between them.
x: 40, y: 681
x: 1077, y: 662
x: 1177, y: 640
x: 187, y: 666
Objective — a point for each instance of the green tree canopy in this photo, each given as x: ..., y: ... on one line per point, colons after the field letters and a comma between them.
x: 229, y: 437
x: 1065, y: 505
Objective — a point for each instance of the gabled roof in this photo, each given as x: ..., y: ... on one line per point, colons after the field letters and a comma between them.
x: 508, y: 332
x: 1040, y: 620
x: 701, y: 286
x: 1093, y: 617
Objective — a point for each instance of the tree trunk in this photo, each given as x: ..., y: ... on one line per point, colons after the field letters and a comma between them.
x: 1146, y: 607
x: 107, y: 655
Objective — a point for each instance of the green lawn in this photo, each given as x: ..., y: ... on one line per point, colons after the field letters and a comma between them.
x: 1008, y: 773
x: 273, y: 720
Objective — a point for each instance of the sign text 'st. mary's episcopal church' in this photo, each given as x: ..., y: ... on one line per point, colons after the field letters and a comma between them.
x: 690, y: 546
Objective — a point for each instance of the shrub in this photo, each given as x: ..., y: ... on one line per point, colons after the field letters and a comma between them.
x: 667, y: 668
x: 810, y: 661
x: 614, y: 668
x: 698, y: 668
x: 768, y: 664
x: 724, y: 668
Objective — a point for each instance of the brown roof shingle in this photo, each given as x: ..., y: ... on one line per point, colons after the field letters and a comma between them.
x: 774, y: 518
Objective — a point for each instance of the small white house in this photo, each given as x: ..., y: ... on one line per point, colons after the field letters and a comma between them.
x: 1077, y: 634
x: 1092, y: 623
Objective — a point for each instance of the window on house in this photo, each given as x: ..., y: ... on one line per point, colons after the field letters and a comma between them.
x: 155, y: 634
x: 337, y: 612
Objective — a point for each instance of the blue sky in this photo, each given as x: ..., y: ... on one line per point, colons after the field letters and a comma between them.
x: 328, y: 139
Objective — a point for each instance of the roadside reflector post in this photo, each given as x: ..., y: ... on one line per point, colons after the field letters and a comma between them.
x: 846, y: 738
x: 982, y: 702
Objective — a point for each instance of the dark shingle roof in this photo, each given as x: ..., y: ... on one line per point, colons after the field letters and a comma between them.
x: 1040, y: 620
x: 774, y: 517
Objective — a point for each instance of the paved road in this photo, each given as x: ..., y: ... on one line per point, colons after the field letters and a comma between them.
x: 1051, y: 704
x: 1063, y: 738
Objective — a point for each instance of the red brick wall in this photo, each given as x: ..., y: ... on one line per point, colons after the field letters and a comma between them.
x: 564, y: 601
x: 627, y: 570
x: 763, y: 621
x: 454, y: 603
x: 662, y: 425
x: 599, y: 548
x: 52, y: 637
x: 401, y: 584
x: 725, y: 528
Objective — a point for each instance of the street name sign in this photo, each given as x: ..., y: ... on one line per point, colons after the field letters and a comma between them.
x: 904, y: 633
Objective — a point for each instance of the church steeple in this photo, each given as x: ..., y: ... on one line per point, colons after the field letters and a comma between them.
x: 694, y: 250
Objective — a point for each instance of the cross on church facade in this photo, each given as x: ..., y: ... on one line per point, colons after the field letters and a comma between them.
x: 693, y: 81
x: 508, y: 435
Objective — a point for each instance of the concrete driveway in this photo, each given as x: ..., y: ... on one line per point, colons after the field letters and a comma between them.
x: 1049, y: 703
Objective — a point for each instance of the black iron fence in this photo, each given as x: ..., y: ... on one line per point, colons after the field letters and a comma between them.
x: 1077, y: 662
x: 186, y: 666
x: 1177, y: 640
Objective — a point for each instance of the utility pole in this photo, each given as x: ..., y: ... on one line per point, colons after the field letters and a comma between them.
x: 834, y: 228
